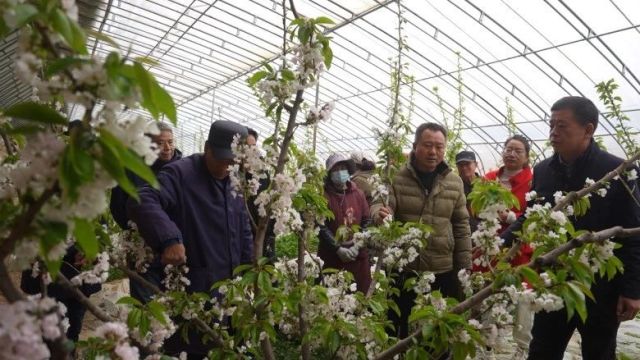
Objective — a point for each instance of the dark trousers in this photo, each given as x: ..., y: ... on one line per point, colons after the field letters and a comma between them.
x: 552, y: 332
x: 446, y: 283
x: 75, y: 313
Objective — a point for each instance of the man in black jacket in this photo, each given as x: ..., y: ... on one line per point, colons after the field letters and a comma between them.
x: 577, y: 157
x: 167, y: 153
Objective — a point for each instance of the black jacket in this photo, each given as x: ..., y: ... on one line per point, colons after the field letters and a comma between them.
x: 119, y: 197
x: 617, y: 208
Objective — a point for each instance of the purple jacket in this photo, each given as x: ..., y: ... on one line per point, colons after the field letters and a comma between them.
x: 193, y: 208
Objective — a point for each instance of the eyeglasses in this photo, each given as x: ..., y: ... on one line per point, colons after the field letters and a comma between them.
x: 513, y: 151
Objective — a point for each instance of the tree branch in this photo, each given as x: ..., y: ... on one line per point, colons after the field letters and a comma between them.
x: 293, y: 9
x: 8, y: 288
x: 548, y: 258
x: 22, y: 223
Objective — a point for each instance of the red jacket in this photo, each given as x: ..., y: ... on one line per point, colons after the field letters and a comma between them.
x: 520, y: 186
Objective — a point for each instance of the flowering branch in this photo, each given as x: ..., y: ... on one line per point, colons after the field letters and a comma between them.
x: 475, y: 300
x: 22, y: 224
x: 215, y: 337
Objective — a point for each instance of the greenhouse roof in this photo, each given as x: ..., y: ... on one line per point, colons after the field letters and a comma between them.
x: 531, y: 52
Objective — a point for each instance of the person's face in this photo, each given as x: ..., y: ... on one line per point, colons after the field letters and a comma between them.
x: 467, y: 170
x: 567, y: 136
x: 165, y: 145
x: 429, y: 150
x: 251, y: 140
x: 514, y: 155
x: 218, y: 168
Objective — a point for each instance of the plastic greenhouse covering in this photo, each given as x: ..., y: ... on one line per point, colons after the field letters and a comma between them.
x: 529, y: 52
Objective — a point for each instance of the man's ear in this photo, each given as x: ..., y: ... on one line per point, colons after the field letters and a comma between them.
x: 590, y: 129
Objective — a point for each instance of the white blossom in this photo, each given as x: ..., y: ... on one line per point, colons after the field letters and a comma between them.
x: 531, y: 195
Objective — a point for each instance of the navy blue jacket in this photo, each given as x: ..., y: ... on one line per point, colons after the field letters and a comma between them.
x: 193, y: 208
x: 617, y: 208
x: 119, y: 197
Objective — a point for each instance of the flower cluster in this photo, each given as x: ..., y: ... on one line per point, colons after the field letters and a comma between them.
x: 250, y: 167
x: 538, y: 301
x: 316, y: 115
x: 26, y: 325
x: 486, y: 239
x: 595, y: 255
x: 309, y: 61
x: 116, y: 339
x: 175, y: 277
x: 128, y: 249
x: 405, y: 249
x: 279, y: 199
x: 380, y: 191
x: 36, y: 170
x: 97, y: 275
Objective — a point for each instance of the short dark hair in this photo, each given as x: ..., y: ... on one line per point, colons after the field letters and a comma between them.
x: 583, y: 109
x: 429, y: 126
x: 252, y: 132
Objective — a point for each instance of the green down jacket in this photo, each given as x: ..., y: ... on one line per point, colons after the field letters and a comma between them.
x: 444, y: 208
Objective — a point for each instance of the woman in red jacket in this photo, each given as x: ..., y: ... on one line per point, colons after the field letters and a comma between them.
x: 516, y: 176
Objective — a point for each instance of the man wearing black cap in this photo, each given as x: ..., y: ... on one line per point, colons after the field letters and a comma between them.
x: 194, y: 219
x: 467, y: 169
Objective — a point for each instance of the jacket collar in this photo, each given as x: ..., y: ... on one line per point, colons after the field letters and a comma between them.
x: 518, y: 178
x: 587, y: 156
x: 441, y: 169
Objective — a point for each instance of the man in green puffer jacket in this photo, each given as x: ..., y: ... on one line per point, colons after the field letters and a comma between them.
x: 426, y: 190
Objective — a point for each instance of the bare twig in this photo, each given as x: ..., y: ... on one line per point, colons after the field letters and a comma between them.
x: 293, y: 9
x: 96, y: 311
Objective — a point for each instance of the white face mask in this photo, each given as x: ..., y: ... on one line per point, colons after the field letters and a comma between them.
x: 340, y: 177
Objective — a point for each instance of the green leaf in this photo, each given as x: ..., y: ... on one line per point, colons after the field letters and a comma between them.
x: 81, y: 163
x: 530, y: 275
x: 110, y: 161
x: 102, y: 37
x: 33, y: 111
x: 86, y: 238
x: 154, y: 98
x: 264, y: 282
x: 157, y: 311
x: 24, y: 14
x: 134, y: 162
x: 128, y: 300
x: 78, y: 39
x: 288, y: 74
x: 257, y: 77
x: 241, y: 268
x: 323, y: 20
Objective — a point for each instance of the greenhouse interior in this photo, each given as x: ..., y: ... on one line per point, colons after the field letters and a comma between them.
x: 319, y: 179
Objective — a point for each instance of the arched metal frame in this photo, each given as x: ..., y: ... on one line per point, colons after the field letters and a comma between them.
x: 530, y: 52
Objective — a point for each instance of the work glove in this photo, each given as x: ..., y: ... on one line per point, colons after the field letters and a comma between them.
x: 346, y: 254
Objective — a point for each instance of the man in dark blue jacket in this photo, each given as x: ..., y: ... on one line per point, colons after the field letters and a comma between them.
x: 577, y: 157
x: 118, y: 205
x: 194, y: 218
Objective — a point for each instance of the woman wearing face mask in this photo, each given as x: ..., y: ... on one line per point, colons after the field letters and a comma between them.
x: 349, y: 207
